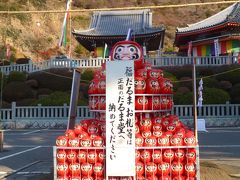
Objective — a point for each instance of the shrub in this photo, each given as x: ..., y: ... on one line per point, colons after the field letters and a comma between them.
x: 25, y: 102
x: 22, y: 61
x: 32, y: 83
x: 81, y: 51
x: 55, y: 79
x: 4, y: 63
x: 185, y: 82
x: 215, y: 96
x: 84, y: 90
x: 44, y: 91
x: 3, y: 80
x: 183, y: 90
x: 179, y: 72
x: 180, y: 98
x: 82, y: 102
x: 17, y: 76
x: 210, y: 82
x: 233, y: 77
x: 58, y: 98
x: 55, y: 99
x: 169, y: 76
x: 15, y: 91
x: 205, y: 71
x: 87, y: 75
x: 225, y: 85
x: 235, y: 100
x: 210, y: 96
x: 235, y: 91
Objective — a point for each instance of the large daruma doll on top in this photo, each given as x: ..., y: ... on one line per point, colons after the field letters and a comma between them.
x: 128, y: 50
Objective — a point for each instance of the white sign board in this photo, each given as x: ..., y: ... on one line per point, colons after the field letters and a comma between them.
x: 120, y: 119
x: 201, y: 125
x: 216, y: 47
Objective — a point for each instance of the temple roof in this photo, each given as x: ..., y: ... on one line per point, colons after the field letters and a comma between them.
x: 105, y: 23
x: 111, y: 26
x: 228, y: 15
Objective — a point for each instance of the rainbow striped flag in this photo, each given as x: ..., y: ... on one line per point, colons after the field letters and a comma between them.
x: 225, y: 47
x: 63, y: 38
x: 230, y: 46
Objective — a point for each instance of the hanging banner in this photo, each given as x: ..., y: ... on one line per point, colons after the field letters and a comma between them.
x: 105, y: 50
x: 200, y: 89
x: 120, y: 118
x: 190, y: 49
x: 216, y: 47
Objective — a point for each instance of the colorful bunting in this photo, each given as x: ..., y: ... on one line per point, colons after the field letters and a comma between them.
x: 225, y: 47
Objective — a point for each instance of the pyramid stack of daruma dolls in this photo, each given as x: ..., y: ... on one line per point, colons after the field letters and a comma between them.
x: 165, y: 147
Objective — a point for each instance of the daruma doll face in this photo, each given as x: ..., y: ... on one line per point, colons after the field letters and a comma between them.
x: 127, y: 50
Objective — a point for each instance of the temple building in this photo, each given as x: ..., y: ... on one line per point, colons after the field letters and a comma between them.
x: 108, y: 27
x: 214, y: 36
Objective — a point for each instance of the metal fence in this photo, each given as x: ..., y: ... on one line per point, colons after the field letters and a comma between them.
x: 56, y: 116
x: 97, y: 62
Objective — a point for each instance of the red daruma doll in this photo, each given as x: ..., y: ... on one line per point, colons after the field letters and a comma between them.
x: 93, y: 86
x: 141, y: 73
x: 102, y: 103
x: 151, y: 169
x: 62, y: 141
x: 154, y: 103
x: 74, y: 169
x: 154, y: 73
x: 61, y: 156
x: 140, y: 85
x: 153, y: 86
x: 141, y: 103
x: 145, y: 123
x: 98, y: 169
x: 62, y: 169
x: 166, y: 86
x: 139, y: 168
x: 101, y: 86
x: 128, y: 50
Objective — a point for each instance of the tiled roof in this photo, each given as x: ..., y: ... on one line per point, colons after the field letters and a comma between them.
x: 112, y: 23
x: 230, y: 14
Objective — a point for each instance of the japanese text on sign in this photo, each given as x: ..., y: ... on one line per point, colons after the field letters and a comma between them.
x: 120, y: 118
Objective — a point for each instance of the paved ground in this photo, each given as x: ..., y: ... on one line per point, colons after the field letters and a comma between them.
x: 28, y: 153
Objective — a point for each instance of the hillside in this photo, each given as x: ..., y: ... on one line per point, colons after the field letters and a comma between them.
x: 36, y: 35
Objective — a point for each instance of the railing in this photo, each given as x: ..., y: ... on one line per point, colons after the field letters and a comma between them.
x: 97, y: 62
x: 200, y: 61
x: 54, y: 63
x: 208, y: 111
x: 44, y: 116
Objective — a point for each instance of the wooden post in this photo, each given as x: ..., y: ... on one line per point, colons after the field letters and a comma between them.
x: 194, y: 100
x: 14, y: 113
x: 74, y: 99
x: 1, y: 140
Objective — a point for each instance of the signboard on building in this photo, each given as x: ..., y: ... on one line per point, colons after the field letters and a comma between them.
x: 216, y: 47
x: 120, y: 118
